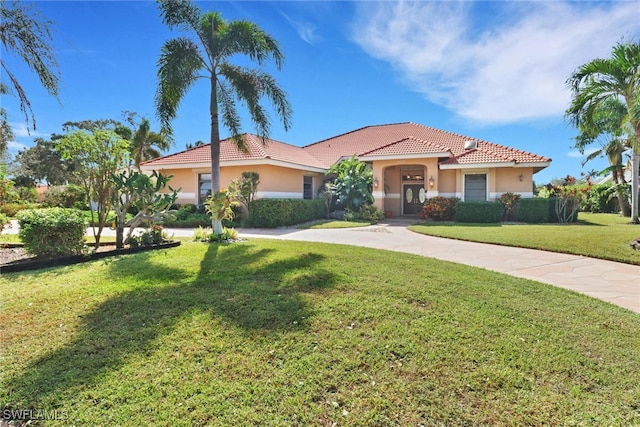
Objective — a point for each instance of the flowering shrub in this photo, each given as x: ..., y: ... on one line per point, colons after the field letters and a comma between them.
x: 440, y: 208
x: 568, y: 198
x: 509, y: 202
x: 154, y: 236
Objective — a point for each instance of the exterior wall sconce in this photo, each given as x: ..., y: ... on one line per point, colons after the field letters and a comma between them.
x: 432, y: 182
x: 376, y: 183
x: 521, y: 177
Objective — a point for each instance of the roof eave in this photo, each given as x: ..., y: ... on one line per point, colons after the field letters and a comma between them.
x: 243, y: 162
x: 405, y: 156
x: 478, y: 165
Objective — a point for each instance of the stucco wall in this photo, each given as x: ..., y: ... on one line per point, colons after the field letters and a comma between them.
x: 275, y: 181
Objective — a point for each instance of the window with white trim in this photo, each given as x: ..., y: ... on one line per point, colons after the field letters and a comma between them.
x: 307, y: 187
x: 204, y: 187
x: 475, y: 187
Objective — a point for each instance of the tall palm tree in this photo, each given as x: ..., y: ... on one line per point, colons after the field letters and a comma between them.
x: 597, y: 81
x: 147, y: 144
x: 608, y: 127
x: 183, y: 61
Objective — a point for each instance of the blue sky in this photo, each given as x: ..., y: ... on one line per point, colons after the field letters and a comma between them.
x: 488, y: 70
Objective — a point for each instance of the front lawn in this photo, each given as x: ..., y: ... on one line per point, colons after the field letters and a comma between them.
x: 604, y: 236
x: 331, y: 223
x: 271, y: 332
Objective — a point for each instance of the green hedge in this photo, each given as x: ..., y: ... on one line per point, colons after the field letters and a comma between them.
x: 478, y: 212
x: 272, y: 213
x: 11, y: 209
x: 52, y: 232
x: 533, y: 211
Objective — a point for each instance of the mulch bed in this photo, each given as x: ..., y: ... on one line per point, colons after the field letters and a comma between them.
x: 14, y: 258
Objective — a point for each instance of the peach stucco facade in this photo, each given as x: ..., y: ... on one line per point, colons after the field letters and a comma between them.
x: 410, y: 163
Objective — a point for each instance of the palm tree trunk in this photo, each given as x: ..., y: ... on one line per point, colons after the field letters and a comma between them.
x: 635, y: 164
x: 216, y: 224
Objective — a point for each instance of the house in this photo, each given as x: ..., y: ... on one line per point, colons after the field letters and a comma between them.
x: 410, y: 163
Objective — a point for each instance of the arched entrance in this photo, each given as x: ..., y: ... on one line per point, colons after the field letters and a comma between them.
x: 414, y: 192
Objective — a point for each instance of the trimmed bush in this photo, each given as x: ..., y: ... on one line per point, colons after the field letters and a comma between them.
x: 70, y: 196
x: 440, y: 208
x: 533, y: 211
x: 52, y: 232
x: 599, y: 200
x: 12, y: 209
x: 188, y: 221
x: 479, y: 212
x: 272, y: 213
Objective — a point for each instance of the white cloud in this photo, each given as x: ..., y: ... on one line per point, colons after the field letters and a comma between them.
x: 579, y: 155
x: 508, y: 65
x: 20, y: 130
x: 14, y: 147
x: 306, y: 30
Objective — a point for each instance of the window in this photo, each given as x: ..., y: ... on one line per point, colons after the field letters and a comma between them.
x: 475, y: 187
x: 307, y: 190
x: 204, y: 187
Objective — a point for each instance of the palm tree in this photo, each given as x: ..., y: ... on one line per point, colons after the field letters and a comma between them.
x: 146, y: 144
x: 25, y: 32
x: 607, y: 127
x: 597, y: 81
x: 182, y: 60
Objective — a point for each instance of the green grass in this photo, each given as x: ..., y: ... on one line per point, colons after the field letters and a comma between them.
x: 604, y: 236
x: 335, y: 224
x: 270, y: 332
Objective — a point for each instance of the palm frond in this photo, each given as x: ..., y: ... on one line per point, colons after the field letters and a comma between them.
x: 178, y: 67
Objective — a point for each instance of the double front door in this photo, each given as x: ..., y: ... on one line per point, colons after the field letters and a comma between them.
x: 413, y: 196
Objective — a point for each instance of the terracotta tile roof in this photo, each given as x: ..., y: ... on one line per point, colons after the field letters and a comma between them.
x: 382, y: 140
x: 409, y: 145
x: 229, y: 152
x: 365, y: 140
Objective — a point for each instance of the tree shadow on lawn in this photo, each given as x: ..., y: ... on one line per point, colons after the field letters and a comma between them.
x: 236, y: 284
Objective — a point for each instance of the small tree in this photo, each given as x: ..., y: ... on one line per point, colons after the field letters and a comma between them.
x: 133, y: 189
x: 100, y: 154
x: 246, y: 188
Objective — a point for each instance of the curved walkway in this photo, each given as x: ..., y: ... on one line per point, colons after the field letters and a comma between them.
x: 613, y: 282
x: 610, y: 281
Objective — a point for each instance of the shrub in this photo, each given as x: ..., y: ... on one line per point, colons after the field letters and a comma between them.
x: 509, y: 202
x: 440, y: 208
x: 71, y: 196
x: 272, y: 213
x: 478, y: 211
x: 533, y: 211
x: 27, y: 194
x: 153, y: 236
x: 202, y: 234
x: 368, y: 213
x: 52, y: 232
x: 599, y: 200
x: 12, y: 209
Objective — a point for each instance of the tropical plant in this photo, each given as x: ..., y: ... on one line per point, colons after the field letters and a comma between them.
x: 220, y: 206
x: 596, y: 83
x: 134, y: 189
x: 146, y: 144
x: 25, y: 32
x: 440, y: 208
x: 607, y: 128
x: 100, y: 153
x: 509, y: 202
x: 352, y: 183
x: 216, y: 42
x: 246, y: 188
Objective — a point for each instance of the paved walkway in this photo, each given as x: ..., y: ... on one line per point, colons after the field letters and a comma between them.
x: 614, y: 282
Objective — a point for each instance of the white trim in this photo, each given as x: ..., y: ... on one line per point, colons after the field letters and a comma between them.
x: 479, y: 165
x: 182, y: 195
x: 393, y: 196
x: 251, y: 162
x: 448, y: 195
x: 372, y: 157
x: 541, y: 165
x: 378, y: 194
x: 523, y: 194
x: 278, y: 195
x: 433, y: 193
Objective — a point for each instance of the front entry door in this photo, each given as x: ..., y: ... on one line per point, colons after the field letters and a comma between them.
x: 414, y: 196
